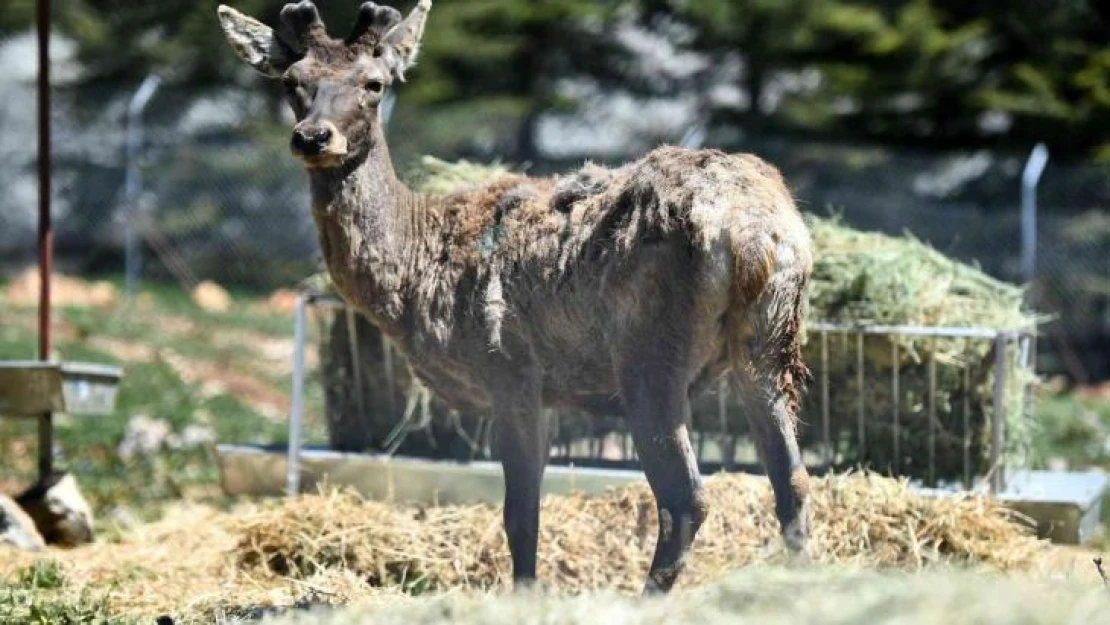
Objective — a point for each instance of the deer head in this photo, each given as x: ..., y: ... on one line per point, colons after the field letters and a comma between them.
x: 334, y: 86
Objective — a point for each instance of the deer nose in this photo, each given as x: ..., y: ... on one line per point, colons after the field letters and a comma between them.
x: 311, y: 140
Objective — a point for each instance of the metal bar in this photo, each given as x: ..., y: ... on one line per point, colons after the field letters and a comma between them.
x: 939, y: 331
x: 895, y: 397
x: 1030, y: 177
x: 826, y: 438
x: 998, y: 421
x: 387, y: 365
x: 722, y: 416
x: 45, y: 446
x: 46, y: 228
x: 861, y: 404
x: 967, y: 426
x: 133, y: 182
x: 321, y: 299
x: 356, y: 361
x: 1028, y: 348
x: 1030, y: 385
x: 932, y: 412
x: 293, y: 466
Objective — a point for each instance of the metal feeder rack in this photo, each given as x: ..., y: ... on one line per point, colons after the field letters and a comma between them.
x: 37, y: 389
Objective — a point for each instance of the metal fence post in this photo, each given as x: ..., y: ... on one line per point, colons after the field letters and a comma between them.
x: 293, y: 464
x: 826, y: 439
x: 895, y: 398
x: 998, y: 420
x: 133, y: 182
x: 1030, y: 178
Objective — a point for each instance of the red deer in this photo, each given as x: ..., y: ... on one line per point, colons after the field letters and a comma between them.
x: 615, y: 291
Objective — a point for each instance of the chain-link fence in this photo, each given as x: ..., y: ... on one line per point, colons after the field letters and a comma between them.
x: 215, y: 195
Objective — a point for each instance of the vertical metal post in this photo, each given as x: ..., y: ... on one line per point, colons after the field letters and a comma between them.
x: 967, y: 426
x: 861, y: 403
x: 1030, y: 177
x: 722, y: 416
x: 387, y: 364
x: 895, y: 396
x: 1027, y: 360
x: 133, y: 182
x: 998, y: 420
x: 293, y: 464
x: 356, y: 360
x: 46, y: 227
x: 932, y: 414
x: 826, y: 438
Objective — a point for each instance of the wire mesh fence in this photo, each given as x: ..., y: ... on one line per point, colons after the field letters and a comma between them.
x: 219, y: 198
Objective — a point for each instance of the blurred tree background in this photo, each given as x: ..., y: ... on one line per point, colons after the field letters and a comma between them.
x: 939, y: 73
x: 902, y: 115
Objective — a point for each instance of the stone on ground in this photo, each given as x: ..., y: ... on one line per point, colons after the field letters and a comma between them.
x: 59, y: 511
x: 211, y: 297
x: 16, y: 528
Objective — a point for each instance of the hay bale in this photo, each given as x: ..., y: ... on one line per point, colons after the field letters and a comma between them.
x: 859, y: 277
x: 872, y: 278
x: 605, y: 542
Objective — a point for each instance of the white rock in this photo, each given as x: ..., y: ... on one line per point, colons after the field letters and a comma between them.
x: 16, y: 528
x: 143, y: 437
x: 60, y: 511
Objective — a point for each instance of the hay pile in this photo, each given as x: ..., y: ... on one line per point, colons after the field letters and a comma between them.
x: 872, y: 278
x: 867, y: 277
x: 337, y: 548
x: 859, y: 277
x: 604, y: 542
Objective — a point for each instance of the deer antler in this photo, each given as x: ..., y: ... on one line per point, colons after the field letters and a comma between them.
x: 372, y: 24
x: 303, y: 20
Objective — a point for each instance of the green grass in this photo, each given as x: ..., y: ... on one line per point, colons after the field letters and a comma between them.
x: 769, y: 596
x: 151, y: 386
x: 37, y: 596
x: 1073, y: 428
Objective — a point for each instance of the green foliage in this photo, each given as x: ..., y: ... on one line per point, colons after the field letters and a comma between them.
x: 892, y: 70
x: 18, y: 15
x: 42, y: 575
x: 920, y: 70
x: 152, y: 385
x: 516, y: 51
x: 37, y: 595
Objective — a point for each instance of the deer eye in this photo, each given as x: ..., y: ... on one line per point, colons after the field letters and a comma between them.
x: 375, y: 86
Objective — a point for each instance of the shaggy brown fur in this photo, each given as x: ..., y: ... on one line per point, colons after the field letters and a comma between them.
x: 614, y: 291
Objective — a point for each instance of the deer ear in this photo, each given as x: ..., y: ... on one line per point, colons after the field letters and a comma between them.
x: 402, y: 42
x: 256, y: 43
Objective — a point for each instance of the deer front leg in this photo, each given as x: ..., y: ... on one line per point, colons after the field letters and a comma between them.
x: 521, y: 442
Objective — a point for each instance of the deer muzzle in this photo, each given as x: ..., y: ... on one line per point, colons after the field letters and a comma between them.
x: 318, y: 144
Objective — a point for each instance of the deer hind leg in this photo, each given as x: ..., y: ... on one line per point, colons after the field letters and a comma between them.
x: 766, y: 362
x: 654, y: 393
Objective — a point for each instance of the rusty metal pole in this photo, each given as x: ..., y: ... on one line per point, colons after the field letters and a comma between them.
x: 46, y: 229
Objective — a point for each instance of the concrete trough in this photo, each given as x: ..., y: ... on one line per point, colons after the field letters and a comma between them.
x: 1065, y: 506
x: 262, y: 471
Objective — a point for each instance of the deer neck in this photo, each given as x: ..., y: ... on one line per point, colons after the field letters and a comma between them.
x: 366, y: 217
